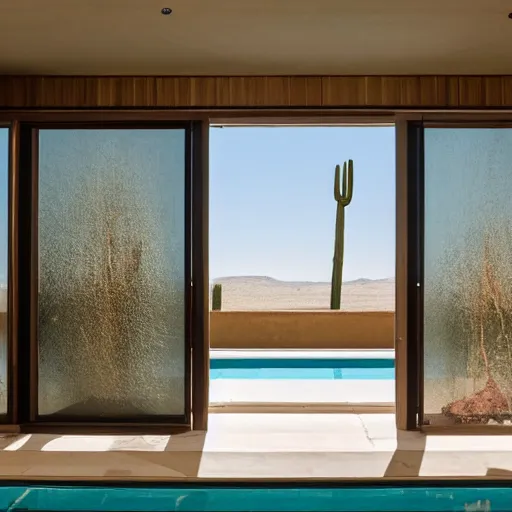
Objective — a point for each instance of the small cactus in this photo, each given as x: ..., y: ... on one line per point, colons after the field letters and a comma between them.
x: 217, y: 297
x: 342, y: 199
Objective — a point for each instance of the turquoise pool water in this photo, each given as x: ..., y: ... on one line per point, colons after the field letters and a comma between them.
x: 256, y: 499
x: 298, y: 368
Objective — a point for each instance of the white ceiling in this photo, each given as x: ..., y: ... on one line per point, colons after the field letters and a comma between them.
x: 258, y: 37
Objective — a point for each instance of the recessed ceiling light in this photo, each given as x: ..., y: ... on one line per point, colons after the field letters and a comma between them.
x: 166, y: 11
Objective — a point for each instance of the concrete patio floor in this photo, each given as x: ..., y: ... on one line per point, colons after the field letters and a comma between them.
x: 261, y: 446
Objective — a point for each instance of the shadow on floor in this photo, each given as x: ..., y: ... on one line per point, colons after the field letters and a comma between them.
x: 36, y: 442
x: 31, y: 442
x: 408, y: 456
x: 193, y: 444
x: 498, y: 473
x: 186, y: 453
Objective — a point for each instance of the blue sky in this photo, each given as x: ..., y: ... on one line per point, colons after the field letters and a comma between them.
x: 272, y: 209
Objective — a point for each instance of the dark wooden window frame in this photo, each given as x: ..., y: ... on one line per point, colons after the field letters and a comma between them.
x: 22, y: 364
x: 407, y: 298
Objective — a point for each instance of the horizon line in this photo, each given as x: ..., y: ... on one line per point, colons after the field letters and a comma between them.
x: 256, y: 276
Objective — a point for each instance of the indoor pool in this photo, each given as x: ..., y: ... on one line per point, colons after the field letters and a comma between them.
x: 256, y: 499
x: 302, y: 368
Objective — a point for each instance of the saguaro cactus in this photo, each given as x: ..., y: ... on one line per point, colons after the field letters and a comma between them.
x: 342, y: 199
x: 217, y: 297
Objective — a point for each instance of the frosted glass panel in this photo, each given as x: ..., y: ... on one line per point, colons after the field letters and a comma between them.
x: 4, y: 216
x: 468, y: 276
x: 112, y: 273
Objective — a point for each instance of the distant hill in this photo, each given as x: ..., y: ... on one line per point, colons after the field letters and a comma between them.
x: 272, y: 280
x: 267, y: 293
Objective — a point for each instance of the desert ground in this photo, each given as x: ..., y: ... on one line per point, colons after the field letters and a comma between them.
x: 265, y: 293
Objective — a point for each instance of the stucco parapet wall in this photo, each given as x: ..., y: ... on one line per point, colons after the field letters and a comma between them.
x: 302, y: 329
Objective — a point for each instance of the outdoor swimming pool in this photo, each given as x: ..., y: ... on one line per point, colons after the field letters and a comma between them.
x: 255, y: 499
x: 303, y: 368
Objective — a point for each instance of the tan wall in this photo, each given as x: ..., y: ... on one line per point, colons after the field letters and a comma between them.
x: 302, y: 330
x: 293, y: 329
x: 256, y: 91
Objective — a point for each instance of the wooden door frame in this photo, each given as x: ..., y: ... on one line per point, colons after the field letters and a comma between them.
x: 501, y: 120
x: 21, y: 225
x: 200, y: 274
x: 407, y: 369
x: 408, y: 274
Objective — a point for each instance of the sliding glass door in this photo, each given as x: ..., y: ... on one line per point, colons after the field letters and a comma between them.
x: 108, y: 219
x: 113, y: 273
x: 464, y: 228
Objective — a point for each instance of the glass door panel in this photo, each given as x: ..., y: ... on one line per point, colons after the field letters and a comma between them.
x: 114, y: 269
x: 4, y: 270
x: 468, y: 275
